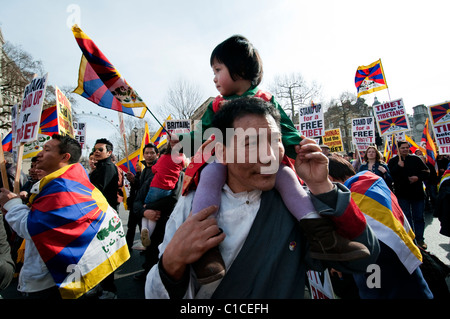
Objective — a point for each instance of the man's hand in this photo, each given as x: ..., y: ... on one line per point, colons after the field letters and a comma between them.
x: 413, y: 179
x: 192, y: 239
x: 312, y: 166
x: 152, y: 214
x: 6, y: 195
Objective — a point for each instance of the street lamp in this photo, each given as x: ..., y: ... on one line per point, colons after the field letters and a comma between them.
x: 135, y: 130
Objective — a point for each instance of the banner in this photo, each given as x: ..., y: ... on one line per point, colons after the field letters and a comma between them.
x: 178, y: 126
x: 80, y: 132
x: 33, y: 148
x: 320, y: 285
x: 391, y: 117
x: 363, y: 133
x: 64, y: 113
x: 440, y: 118
x: 311, y: 123
x: 333, y: 139
x: 30, y: 112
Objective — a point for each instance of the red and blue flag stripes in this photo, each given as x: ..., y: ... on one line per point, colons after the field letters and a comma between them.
x: 7, y: 143
x: 68, y: 221
x: 49, y: 121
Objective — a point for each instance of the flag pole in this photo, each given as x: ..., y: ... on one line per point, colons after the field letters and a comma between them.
x: 158, y: 121
x: 3, y: 170
x: 387, y: 87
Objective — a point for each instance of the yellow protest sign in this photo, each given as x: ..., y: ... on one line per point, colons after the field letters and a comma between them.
x: 333, y: 139
x: 64, y: 109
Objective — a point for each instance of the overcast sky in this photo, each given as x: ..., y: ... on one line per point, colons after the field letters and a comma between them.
x: 155, y: 43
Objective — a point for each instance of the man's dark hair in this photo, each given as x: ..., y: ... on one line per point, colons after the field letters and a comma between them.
x: 109, y: 145
x: 237, y: 108
x: 68, y: 145
x: 241, y: 59
x: 400, y: 143
x: 151, y: 145
x: 339, y: 168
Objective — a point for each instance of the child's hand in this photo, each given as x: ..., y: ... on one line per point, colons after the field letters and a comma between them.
x: 312, y: 166
x: 152, y: 214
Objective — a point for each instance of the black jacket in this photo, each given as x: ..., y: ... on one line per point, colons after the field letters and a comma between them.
x: 414, y: 166
x: 106, y: 178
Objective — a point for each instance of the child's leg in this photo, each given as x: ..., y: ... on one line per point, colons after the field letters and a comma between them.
x: 155, y: 193
x: 294, y: 196
x: 210, y: 267
x: 325, y: 243
x: 148, y: 226
x: 209, y: 189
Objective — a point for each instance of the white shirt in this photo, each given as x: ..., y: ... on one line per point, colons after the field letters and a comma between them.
x: 235, y: 217
x: 34, y: 275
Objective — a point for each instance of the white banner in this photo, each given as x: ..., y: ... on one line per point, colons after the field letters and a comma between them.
x: 31, y: 109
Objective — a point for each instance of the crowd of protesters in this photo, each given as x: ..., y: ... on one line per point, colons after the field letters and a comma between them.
x: 227, y: 228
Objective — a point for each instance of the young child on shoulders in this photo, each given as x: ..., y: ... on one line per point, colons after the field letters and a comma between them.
x: 238, y: 71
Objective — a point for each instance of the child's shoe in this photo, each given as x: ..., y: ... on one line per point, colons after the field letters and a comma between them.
x: 145, y: 237
x: 326, y: 244
x: 210, y: 267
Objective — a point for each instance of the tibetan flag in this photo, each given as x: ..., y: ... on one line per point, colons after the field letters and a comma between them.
x: 445, y: 176
x: 385, y: 217
x: 7, y: 143
x: 413, y: 145
x: 370, y: 78
x: 428, y: 144
x: 49, y: 121
x: 101, y: 83
x: 78, y: 235
x: 133, y: 159
x: 395, y: 123
x: 387, y: 151
x: 160, y: 137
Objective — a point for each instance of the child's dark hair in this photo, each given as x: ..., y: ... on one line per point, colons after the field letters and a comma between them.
x: 339, y: 168
x: 241, y: 59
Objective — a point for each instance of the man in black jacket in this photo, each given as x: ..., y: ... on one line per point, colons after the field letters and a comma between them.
x: 159, y: 210
x: 408, y: 172
x: 139, y: 188
x: 106, y: 178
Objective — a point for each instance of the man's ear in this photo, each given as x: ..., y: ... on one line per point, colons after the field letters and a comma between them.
x: 66, y: 157
x: 220, y: 152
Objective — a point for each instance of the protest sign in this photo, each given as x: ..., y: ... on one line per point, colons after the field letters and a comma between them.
x: 320, y: 285
x: 391, y: 117
x: 440, y: 119
x: 311, y: 123
x: 80, y: 132
x: 64, y: 113
x: 30, y: 112
x: 178, y: 126
x: 333, y: 139
x: 363, y: 133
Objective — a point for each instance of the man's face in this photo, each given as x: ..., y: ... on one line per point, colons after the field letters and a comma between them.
x: 256, y: 155
x: 150, y: 155
x: 404, y: 149
x: 100, y: 152
x: 49, y: 159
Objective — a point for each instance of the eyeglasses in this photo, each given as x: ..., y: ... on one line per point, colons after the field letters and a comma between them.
x: 100, y: 149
